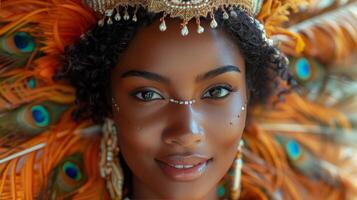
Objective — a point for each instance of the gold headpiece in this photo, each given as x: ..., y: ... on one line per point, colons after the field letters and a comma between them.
x: 183, y: 9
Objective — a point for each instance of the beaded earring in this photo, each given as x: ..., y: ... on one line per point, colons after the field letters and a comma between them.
x: 230, y: 185
x: 109, y: 165
x: 237, y: 171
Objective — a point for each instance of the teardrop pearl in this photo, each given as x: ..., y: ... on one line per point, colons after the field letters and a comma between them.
x: 101, y: 22
x: 214, y: 23
x: 109, y: 22
x: 126, y: 16
x: 225, y: 15
x: 117, y: 17
x: 162, y: 26
x: 200, y: 29
x: 135, y: 19
x: 184, y: 31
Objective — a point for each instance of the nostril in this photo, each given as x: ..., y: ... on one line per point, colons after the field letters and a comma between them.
x: 184, y: 139
x: 175, y: 142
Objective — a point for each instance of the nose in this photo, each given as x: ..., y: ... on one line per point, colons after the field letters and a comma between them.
x: 184, y: 128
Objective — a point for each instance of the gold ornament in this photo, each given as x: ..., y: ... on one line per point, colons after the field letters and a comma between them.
x: 186, y: 10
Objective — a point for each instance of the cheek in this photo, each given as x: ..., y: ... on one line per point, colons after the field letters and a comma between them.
x: 139, y: 138
x: 224, y: 128
x: 138, y: 135
x: 225, y: 123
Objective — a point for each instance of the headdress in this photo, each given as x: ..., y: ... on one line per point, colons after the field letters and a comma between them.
x: 186, y: 10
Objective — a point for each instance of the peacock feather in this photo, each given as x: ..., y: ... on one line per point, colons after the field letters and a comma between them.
x: 304, y: 161
x: 66, y: 177
x: 16, y: 49
x: 27, y: 121
x: 317, y: 130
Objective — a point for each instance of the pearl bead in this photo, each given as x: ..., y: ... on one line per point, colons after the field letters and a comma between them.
x: 225, y: 15
x: 200, y: 29
x: 162, y: 26
x: 101, y: 22
x: 184, y: 31
x: 117, y: 17
x: 110, y: 22
x: 213, y: 24
x: 126, y: 16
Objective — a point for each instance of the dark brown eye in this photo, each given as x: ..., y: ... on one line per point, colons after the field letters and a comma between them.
x: 217, y: 92
x: 148, y: 95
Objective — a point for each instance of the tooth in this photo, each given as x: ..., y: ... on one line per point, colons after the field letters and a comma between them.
x: 188, y: 166
x: 179, y: 166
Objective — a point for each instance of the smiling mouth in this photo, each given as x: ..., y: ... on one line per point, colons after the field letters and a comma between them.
x: 184, y: 172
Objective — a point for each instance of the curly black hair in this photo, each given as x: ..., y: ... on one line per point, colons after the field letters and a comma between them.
x: 88, y: 63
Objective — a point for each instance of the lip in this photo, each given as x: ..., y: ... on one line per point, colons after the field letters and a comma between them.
x: 184, y: 168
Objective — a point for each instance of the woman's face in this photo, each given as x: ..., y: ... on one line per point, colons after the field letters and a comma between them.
x: 179, y: 151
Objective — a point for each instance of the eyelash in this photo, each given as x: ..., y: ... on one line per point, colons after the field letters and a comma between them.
x: 226, y: 87
x: 140, y: 94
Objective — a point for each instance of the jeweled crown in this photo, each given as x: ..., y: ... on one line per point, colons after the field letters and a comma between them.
x: 183, y: 9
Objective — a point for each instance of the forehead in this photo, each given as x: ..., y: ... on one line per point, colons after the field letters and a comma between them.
x: 169, y: 51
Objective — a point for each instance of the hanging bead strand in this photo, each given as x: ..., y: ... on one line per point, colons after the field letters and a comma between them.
x: 184, y: 30
x: 225, y: 14
x: 135, y: 18
x: 200, y: 28
x: 117, y: 16
x: 126, y: 14
x: 163, y: 26
x: 213, y: 23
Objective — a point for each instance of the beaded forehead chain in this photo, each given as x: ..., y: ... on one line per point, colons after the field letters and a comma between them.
x: 186, y: 10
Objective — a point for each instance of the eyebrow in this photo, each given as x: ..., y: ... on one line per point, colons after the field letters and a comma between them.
x: 218, y: 71
x: 162, y: 79
x: 147, y: 75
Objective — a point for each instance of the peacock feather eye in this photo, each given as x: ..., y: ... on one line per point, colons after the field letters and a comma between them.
x: 303, y: 69
x: 293, y: 149
x: 72, y: 170
x: 24, y: 42
x: 31, y: 83
x: 68, y: 176
x: 16, y: 48
x: 40, y: 115
x: 19, y: 43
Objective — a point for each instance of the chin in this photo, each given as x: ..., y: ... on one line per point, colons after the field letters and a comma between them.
x: 187, y: 190
x: 184, y: 193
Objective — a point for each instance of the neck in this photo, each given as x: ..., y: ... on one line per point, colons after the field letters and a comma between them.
x: 141, y: 191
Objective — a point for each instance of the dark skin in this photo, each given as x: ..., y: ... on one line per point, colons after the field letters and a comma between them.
x: 158, y: 66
